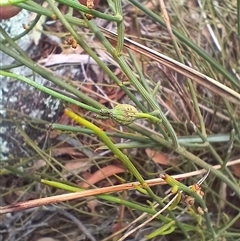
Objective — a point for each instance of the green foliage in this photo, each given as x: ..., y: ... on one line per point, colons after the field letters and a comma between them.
x: 196, y: 147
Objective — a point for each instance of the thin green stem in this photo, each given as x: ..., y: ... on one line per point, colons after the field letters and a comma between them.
x: 229, y: 151
x: 190, y: 44
x: 25, y: 32
x: 106, y: 197
x: 11, y: 2
x: 76, y: 5
x: 48, y: 91
x: 124, y: 66
x: 10, y: 66
x: 150, y: 117
x: 110, y: 49
x: 111, y: 5
x: 32, y: 6
x: 191, y: 157
x: 217, y: 157
x: 44, y: 72
x: 80, y: 40
x: 180, y: 57
x: 229, y: 224
x: 101, y: 134
x: 233, y: 114
x: 12, y: 43
x: 151, y: 102
x: 139, y: 71
x: 70, y: 188
x: 120, y: 27
x: 174, y: 183
x: 143, y: 142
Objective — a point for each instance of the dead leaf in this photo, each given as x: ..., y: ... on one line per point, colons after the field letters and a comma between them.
x: 54, y: 134
x: 158, y: 157
x: 74, y: 164
x: 113, y: 180
x: 77, y: 166
x: 37, y: 165
x: 92, y: 204
x: 101, y: 174
x: 64, y: 120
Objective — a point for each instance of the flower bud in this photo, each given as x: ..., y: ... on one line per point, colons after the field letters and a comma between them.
x: 124, y: 114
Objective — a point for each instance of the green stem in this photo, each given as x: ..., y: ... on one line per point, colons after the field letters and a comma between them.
x: 25, y: 32
x: 101, y: 134
x: 173, y: 183
x: 190, y: 44
x: 228, y: 225
x: 217, y: 157
x: 150, y: 117
x: 76, y: 5
x: 11, y: 2
x: 189, y: 82
x: 48, y: 91
x: 10, y: 66
x: 191, y: 157
x: 120, y: 27
x: 110, y: 49
x: 80, y: 40
x: 43, y: 72
x: 143, y: 142
x: 124, y: 66
x: 31, y: 6
x: 69, y: 188
x: 139, y: 71
x: 106, y: 197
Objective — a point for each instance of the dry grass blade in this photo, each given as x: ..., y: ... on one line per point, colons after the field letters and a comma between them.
x: 196, y: 76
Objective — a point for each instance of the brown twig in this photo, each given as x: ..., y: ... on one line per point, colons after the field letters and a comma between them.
x: 93, y: 192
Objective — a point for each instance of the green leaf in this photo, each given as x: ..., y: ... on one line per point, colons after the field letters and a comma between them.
x: 164, y: 230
